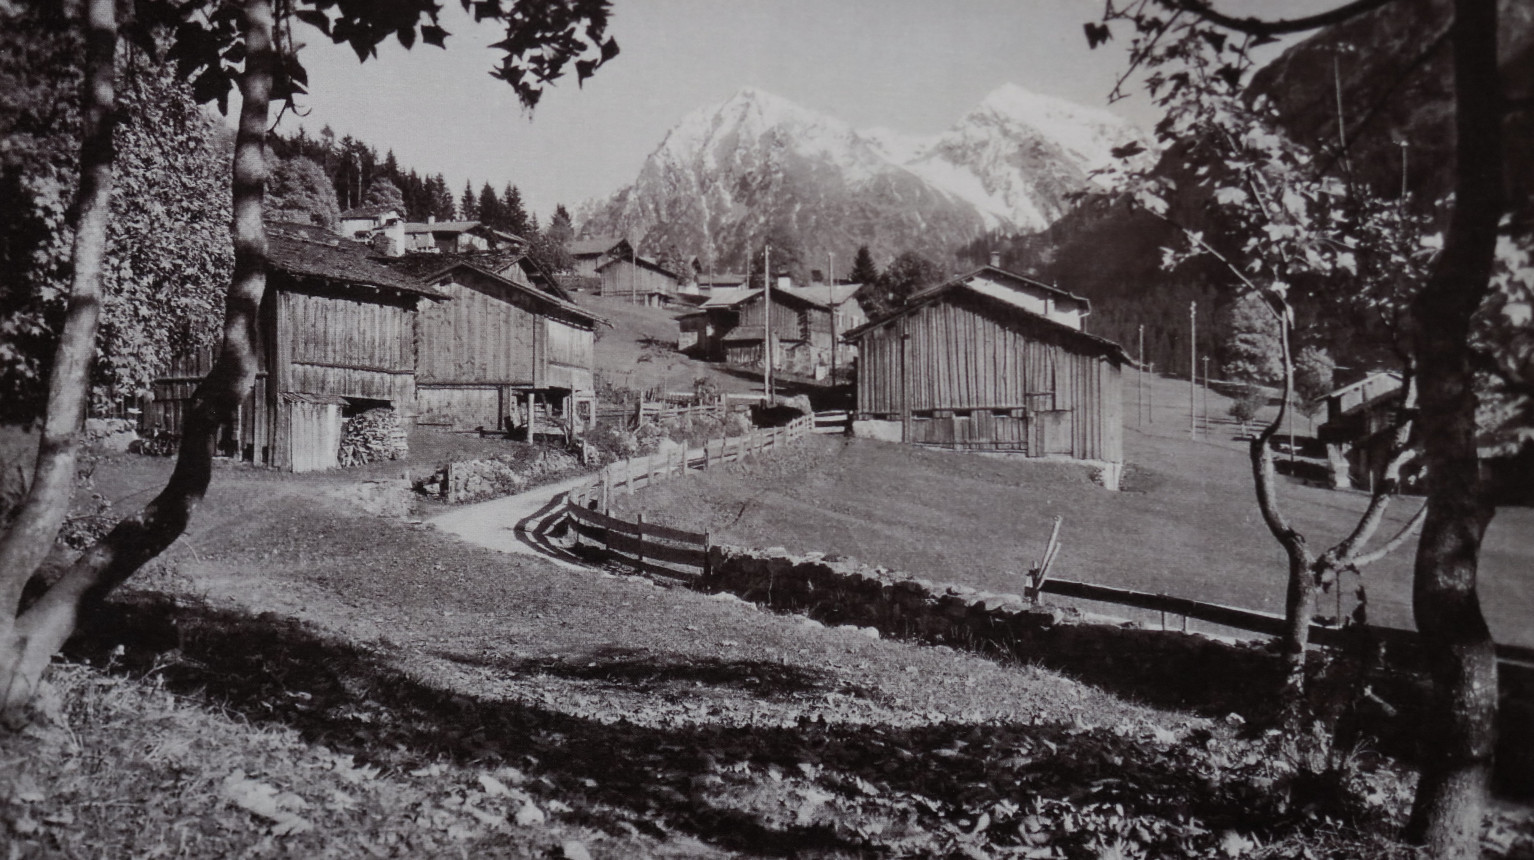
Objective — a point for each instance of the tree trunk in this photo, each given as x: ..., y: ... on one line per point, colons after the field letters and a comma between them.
x: 1460, y: 733
x: 36, y: 527
x: 44, y: 627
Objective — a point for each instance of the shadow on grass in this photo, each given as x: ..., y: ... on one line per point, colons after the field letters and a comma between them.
x: 644, y: 672
x: 615, y: 774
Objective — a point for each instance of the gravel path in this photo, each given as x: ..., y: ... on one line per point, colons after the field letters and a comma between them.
x: 513, y: 523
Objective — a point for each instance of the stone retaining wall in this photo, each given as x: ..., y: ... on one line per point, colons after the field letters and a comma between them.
x: 1159, y: 667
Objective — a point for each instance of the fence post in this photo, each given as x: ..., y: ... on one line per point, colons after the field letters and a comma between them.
x: 639, y: 542
x: 708, y: 546
x: 628, y: 476
x: 706, y: 442
x: 607, y: 489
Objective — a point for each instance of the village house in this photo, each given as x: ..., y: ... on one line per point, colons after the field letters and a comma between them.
x: 381, y: 227
x: 588, y: 254
x: 731, y: 327
x: 337, y: 337
x: 503, y: 348
x: 457, y: 237
x: 1360, y: 418
x: 993, y: 361
x: 638, y: 278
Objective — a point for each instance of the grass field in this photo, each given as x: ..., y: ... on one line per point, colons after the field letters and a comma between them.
x: 1186, y: 523
x: 296, y: 678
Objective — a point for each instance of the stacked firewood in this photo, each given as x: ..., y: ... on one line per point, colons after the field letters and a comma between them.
x: 372, y: 436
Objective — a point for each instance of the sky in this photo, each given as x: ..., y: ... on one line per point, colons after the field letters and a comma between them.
x: 915, y: 66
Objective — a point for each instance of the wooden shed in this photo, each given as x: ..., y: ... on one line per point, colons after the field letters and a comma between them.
x: 993, y: 361
x: 502, y: 349
x: 636, y: 277
x: 731, y: 327
x: 337, y: 335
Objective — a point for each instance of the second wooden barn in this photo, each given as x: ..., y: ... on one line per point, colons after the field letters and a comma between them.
x: 993, y: 361
x: 503, y: 349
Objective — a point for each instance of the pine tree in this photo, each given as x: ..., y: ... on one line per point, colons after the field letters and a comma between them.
x: 489, y: 211
x: 863, y: 269
x: 468, y: 205
x: 514, y: 215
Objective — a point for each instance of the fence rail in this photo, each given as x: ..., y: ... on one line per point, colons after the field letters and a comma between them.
x: 588, y: 507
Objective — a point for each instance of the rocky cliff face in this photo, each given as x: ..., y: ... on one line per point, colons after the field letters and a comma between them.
x: 727, y: 176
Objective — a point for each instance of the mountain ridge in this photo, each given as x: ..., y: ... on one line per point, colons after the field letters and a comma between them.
x: 726, y: 176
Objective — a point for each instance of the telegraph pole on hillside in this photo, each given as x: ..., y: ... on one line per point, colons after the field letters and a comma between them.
x: 831, y: 301
x: 1140, y: 381
x: 1206, y: 395
x: 1193, y: 370
x: 767, y: 320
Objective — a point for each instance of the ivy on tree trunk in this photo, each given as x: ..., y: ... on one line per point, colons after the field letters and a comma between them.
x: 42, y: 514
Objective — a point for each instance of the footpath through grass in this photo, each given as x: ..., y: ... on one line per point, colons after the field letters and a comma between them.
x: 300, y: 679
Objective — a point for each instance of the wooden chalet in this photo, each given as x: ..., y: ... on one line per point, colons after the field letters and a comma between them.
x: 1359, y: 429
x: 993, y: 361
x: 642, y: 279
x: 337, y: 336
x: 586, y: 255
x: 731, y: 327
x: 504, y: 348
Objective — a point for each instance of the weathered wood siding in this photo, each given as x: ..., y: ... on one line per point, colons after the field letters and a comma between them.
x: 980, y: 377
x: 310, y: 434
x: 462, y: 406
x: 788, y: 323
x: 625, y: 278
x: 482, y: 335
x: 345, y: 346
x: 571, y: 354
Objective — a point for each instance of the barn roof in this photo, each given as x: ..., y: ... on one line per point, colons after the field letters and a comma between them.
x: 435, y: 227
x: 828, y: 294
x: 642, y: 261
x: 741, y: 295
x: 593, y: 247
x: 975, y: 283
x: 554, y: 301
x: 305, y: 250
x: 1007, y: 298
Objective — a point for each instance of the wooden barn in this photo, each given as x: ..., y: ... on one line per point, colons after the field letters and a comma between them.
x: 993, y: 361
x: 501, y: 349
x: 636, y: 277
x: 337, y: 336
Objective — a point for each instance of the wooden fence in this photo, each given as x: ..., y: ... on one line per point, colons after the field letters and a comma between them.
x: 677, y: 552
x: 650, y: 546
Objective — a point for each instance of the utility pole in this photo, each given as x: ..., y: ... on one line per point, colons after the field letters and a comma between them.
x: 831, y: 301
x: 1150, y: 402
x: 767, y: 320
x: 1192, y: 369
x: 1140, y: 381
x: 1206, y: 395
x: 1403, y: 144
x: 634, y: 275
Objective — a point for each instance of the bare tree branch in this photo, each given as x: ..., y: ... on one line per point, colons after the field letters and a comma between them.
x: 1260, y: 27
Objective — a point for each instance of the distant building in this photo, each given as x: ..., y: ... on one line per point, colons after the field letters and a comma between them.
x: 457, y: 237
x: 638, y: 278
x: 587, y: 255
x: 993, y: 361
x: 806, y: 326
x: 380, y: 227
x: 1360, y: 418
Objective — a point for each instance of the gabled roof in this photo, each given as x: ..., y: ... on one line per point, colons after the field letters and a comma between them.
x: 304, y: 250
x: 454, y: 227
x: 974, y: 282
x: 641, y: 261
x: 553, y: 301
x: 593, y: 247
x: 721, y: 279
x: 360, y: 212
x: 1008, y: 298
x: 1374, y: 378
x: 739, y: 296
x: 828, y: 294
